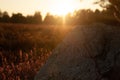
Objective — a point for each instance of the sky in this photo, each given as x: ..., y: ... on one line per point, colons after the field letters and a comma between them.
x: 55, y: 7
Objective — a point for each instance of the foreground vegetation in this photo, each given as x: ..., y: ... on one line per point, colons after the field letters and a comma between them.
x: 24, y: 48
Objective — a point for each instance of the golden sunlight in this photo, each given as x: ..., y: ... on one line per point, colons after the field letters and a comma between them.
x: 63, y: 7
x: 55, y: 7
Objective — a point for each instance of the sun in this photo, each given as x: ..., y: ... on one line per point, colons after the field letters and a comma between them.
x: 63, y: 7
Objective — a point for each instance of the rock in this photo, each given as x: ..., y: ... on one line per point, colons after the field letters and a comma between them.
x: 89, y: 52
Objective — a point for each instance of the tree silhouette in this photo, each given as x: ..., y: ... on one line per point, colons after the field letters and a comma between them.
x: 69, y: 19
x: 5, y: 17
x: 29, y: 19
x: 113, y: 6
x: 0, y: 15
x: 37, y: 18
x: 84, y: 16
x: 49, y: 19
x: 18, y: 18
x: 116, y: 5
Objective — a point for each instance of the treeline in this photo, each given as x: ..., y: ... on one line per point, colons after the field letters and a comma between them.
x: 19, y: 18
x: 78, y: 17
x: 88, y: 16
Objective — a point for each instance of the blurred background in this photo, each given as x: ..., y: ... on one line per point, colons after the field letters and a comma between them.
x: 30, y: 30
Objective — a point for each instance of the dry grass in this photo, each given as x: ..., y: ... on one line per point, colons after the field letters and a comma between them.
x: 24, y: 48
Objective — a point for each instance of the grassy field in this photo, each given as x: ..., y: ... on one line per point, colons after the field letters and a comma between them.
x: 24, y: 48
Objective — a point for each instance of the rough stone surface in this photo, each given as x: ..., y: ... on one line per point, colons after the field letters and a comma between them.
x: 89, y: 52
